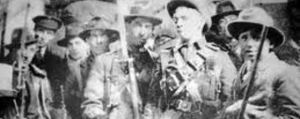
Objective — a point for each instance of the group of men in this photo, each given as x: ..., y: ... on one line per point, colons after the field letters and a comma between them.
x: 215, y: 66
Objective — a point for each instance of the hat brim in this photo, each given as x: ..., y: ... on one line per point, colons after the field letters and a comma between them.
x: 154, y: 20
x: 112, y: 34
x: 217, y: 17
x: 64, y: 42
x: 173, y: 5
x: 275, y: 36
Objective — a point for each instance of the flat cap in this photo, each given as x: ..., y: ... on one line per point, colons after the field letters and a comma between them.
x: 47, y: 22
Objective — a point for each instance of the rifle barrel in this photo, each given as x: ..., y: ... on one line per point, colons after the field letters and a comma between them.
x: 253, y: 74
x: 133, y: 84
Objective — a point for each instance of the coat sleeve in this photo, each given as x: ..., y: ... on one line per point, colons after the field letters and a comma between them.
x: 227, y: 76
x: 94, y: 92
x: 287, y: 95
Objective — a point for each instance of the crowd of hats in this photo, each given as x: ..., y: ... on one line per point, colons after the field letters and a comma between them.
x: 249, y: 18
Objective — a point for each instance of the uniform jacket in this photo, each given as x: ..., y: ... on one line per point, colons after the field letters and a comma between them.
x: 52, y: 63
x: 275, y: 93
x: 216, y: 63
x: 213, y: 74
x: 110, y: 67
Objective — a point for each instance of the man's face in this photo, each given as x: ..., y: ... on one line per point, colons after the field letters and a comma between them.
x: 43, y: 36
x: 249, y: 42
x: 140, y: 30
x: 224, y: 21
x: 188, y: 22
x: 28, y: 53
x: 98, y: 43
x: 77, y: 48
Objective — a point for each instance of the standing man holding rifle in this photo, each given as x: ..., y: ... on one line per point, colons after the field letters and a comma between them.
x: 112, y: 87
x: 266, y: 87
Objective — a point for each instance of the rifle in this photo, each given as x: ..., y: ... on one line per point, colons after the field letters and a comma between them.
x: 133, y: 83
x: 106, y: 99
x: 22, y: 85
x: 63, y: 105
x: 3, y: 35
x: 264, y: 33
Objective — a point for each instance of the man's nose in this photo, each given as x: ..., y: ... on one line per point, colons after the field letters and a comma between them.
x: 178, y: 23
x: 143, y: 31
x: 251, y: 43
x: 25, y: 55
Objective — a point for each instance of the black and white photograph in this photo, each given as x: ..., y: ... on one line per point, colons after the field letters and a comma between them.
x: 149, y: 59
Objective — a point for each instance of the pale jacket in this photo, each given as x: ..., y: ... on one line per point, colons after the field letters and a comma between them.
x: 275, y: 93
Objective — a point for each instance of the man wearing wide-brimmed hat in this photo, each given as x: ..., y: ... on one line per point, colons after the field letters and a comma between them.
x: 226, y: 13
x: 208, y: 88
x: 111, y: 69
x: 83, y: 45
x: 100, y: 37
x: 77, y: 62
x: 275, y: 92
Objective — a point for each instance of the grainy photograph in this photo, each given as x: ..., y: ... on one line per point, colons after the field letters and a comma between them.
x: 149, y: 59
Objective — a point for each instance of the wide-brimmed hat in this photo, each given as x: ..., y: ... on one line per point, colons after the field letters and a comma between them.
x: 224, y: 8
x: 71, y: 33
x: 194, y: 4
x: 47, y: 22
x: 112, y: 35
x: 103, y: 27
x: 256, y: 18
x: 136, y: 12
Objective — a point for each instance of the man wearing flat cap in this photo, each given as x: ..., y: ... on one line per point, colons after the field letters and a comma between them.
x: 110, y: 73
x: 206, y: 72
x: 49, y: 56
x: 36, y: 87
x: 275, y: 91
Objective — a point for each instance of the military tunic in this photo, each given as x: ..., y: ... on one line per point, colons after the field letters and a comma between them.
x: 214, y: 77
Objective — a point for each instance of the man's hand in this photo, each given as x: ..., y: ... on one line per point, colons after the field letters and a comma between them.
x: 92, y: 112
x: 192, y: 88
x: 234, y: 107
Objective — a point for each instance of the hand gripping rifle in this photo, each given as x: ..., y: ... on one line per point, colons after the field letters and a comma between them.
x: 133, y: 83
x: 21, y: 79
x: 264, y: 33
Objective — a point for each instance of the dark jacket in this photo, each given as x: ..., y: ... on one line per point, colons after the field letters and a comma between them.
x: 52, y: 63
